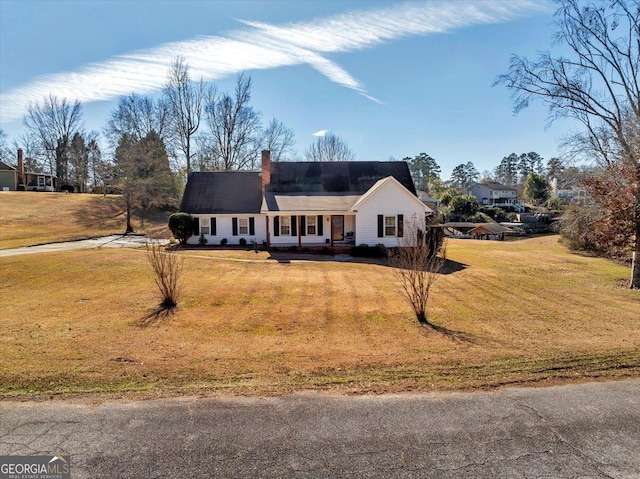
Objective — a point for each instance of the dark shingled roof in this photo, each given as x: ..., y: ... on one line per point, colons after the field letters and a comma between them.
x: 229, y: 192
x: 346, y: 177
x: 223, y: 192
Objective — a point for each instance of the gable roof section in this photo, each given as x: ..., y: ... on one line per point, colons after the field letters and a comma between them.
x: 6, y: 167
x: 343, y: 177
x: 378, y: 185
x: 223, y: 192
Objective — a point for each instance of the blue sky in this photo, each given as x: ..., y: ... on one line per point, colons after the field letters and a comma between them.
x: 392, y: 78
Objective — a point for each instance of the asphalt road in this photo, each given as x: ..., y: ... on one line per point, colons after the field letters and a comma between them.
x: 576, y: 431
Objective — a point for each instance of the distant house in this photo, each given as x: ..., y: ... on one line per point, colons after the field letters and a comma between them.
x: 8, y: 177
x: 304, y: 203
x: 495, y: 194
x: 432, y: 203
x: 568, y: 192
x: 15, y: 179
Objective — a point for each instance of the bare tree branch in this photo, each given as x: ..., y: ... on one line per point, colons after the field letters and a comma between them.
x: 184, y: 99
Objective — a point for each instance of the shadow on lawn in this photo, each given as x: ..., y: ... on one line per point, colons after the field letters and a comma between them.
x: 99, y: 211
x: 452, y: 334
x: 451, y: 266
x: 157, y: 316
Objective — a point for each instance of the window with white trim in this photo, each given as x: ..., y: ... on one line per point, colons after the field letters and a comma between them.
x: 204, y: 226
x: 285, y: 225
x: 389, y: 225
x: 243, y: 226
x: 311, y: 225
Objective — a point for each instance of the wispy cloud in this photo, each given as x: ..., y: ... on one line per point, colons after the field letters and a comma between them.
x: 320, y: 133
x: 261, y: 46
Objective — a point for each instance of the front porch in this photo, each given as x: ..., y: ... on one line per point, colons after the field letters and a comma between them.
x: 317, y: 231
x: 336, y: 248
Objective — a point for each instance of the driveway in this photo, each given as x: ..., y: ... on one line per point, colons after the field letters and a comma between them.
x: 113, y: 241
x: 574, y: 431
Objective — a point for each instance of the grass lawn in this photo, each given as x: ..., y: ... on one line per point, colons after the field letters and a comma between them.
x: 30, y: 218
x: 526, y: 312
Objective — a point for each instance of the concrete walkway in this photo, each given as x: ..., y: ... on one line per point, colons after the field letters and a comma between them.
x: 113, y: 241
x: 574, y: 431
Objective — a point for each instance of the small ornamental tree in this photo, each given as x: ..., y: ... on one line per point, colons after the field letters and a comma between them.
x: 416, y: 267
x: 181, y: 226
x: 167, y: 269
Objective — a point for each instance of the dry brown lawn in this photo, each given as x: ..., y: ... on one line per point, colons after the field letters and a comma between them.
x: 30, y: 218
x: 515, y: 312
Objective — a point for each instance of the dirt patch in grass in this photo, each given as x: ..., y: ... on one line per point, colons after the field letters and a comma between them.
x: 526, y: 312
x: 36, y: 217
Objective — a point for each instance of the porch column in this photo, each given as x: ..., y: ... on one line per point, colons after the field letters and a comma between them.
x: 267, y: 230
x: 331, y: 230
x: 299, y: 233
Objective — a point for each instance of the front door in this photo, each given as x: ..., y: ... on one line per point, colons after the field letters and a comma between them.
x: 337, y: 228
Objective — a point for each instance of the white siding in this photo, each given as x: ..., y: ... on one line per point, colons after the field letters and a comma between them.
x: 293, y: 239
x: 390, y: 199
x: 224, y: 229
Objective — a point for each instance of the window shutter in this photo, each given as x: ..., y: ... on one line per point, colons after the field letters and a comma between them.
x: 303, y: 226
x: 234, y: 226
x: 294, y: 230
x: 213, y: 227
x: 252, y: 226
x: 380, y: 226
x: 276, y: 226
x: 196, y: 227
x: 319, y: 226
x: 400, y: 226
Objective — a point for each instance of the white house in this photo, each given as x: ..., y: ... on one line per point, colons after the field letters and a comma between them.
x: 304, y: 203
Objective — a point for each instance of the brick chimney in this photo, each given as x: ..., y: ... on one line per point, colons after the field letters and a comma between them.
x: 266, y: 170
x: 21, y: 178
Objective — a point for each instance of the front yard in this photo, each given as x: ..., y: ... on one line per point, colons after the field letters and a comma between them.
x: 522, y: 312
x: 30, y: 218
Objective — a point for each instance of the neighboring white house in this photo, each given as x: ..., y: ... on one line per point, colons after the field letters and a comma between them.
x: 304, y: 203
x: 495, y: 194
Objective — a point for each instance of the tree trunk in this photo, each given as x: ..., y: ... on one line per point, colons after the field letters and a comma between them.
x: 129, y: 227
x: 635, y: 264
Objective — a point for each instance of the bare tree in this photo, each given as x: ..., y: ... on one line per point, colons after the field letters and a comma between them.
x: 35, y: 158
x: 78, y: 162
x: 598, y: 85
x: 234, y: 127
x: 184, y: 98
x: 417, y: 266
x: 95, y: 159
x: 5, y: 152
x: 137, y: 116
x: 329, y: 147
x: 54, y: 122
x: 167, y: 268
x: 279, y: 140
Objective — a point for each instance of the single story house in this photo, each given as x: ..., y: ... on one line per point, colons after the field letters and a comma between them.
x: 495, y: 194
x: 304, y: 203
x: 14, y: 179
